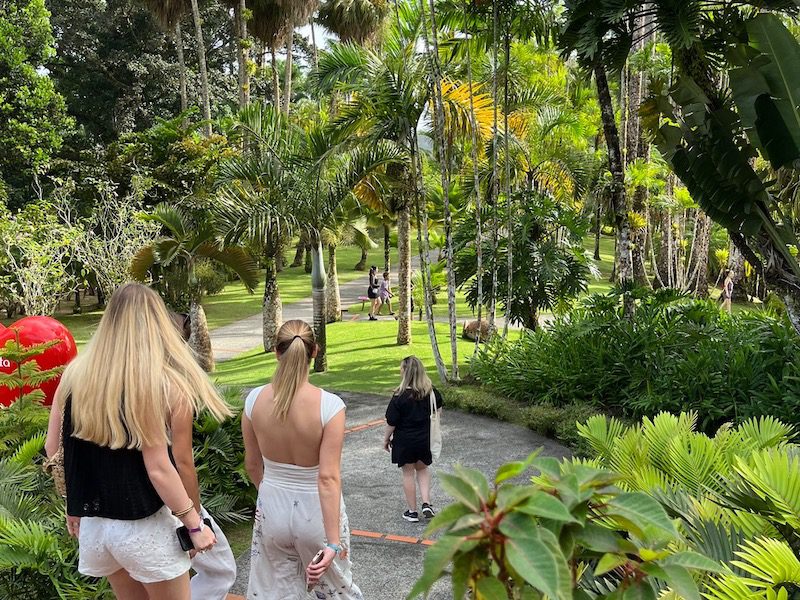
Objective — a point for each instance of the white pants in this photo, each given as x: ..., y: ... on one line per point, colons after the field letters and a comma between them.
x: 288, y: 532
x: 216, y: 569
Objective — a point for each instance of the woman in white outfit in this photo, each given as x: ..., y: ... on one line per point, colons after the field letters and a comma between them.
x: 293, y: 435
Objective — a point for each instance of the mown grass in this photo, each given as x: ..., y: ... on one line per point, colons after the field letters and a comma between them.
x: 363, y: 356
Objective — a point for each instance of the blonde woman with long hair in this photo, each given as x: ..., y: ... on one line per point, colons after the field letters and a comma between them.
x: 125, y: 498
x: 408, y: 434
x: 293, y: 436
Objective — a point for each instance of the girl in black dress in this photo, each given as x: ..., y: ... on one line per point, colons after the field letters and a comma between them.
x: 408, y: 429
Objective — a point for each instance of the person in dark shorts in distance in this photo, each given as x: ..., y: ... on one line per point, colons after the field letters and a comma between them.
x: 372, y: 292
x: 407, y: 437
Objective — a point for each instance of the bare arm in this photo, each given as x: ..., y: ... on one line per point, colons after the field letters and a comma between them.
x: 182, y: 427
x: 253, y: 461
x: 53, y: 430
x: 387, y: 437
x: 329, y: 482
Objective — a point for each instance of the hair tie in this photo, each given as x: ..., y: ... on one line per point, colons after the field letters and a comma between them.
x: 297, y: 337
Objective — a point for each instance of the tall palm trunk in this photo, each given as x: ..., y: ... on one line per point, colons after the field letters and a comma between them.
x: 201, y: 62
x: 598, y: 216
x: 177, y: 37
x: 333, y: 300
x: 509, y: 201
x: 404, y: 272
x: 423, y: 240
x: 625, y: 270
x: 318, y: 299
x: 361, y: 265
x: 736, y: 266
x: 298, y: 254
x: 444, y: 161
x: 495, y: 190
x: 276, y: 82
x: 287, y: 75
x: 240, y: 24
x: 477, y: 186
x: 271, y: 307
x: 698, y: 270
x: 387, y: 248
x: 200, y: 339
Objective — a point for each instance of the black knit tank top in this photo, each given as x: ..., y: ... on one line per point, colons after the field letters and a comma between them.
x: 102, y: 482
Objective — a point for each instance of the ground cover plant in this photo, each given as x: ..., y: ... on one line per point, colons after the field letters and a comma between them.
x: 674, y: 354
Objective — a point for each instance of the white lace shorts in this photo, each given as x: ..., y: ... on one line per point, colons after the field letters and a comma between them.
x: 147, y: 549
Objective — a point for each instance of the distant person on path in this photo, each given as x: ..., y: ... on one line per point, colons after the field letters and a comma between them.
x: 727, y: 292
x: 125, y: 498
x: 407, y: 437
x: 372, y: 293
x: 293, y: 435
x: 385, y: 293
x: 215, y: 570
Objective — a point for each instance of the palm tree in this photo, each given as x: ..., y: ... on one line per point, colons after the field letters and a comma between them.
x: 168, y: 14
x: 205, y: 94
x: 356, y: 21
x: 240, y: 12
x: 256, y: 201
x: 170, y: 261
x: 269, y: 26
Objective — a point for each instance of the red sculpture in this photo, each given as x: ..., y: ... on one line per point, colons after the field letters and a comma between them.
x: 37, y: 330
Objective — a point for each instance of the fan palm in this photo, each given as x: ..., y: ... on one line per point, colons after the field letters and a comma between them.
x: 169, y: 263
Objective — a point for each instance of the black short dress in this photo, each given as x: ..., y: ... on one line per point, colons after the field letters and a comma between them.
x: 372, y: 290
x: 411, y: 418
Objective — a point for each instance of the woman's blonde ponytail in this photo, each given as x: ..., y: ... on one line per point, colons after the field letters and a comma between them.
x: 295, y: 345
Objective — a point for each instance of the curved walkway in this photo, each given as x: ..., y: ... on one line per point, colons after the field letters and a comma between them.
x: 388, y: 551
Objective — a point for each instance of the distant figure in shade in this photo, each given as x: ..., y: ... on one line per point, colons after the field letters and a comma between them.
x: 385, y: 293
x: 408, y: 434
x: 727, y: 292
x: 372, y: 292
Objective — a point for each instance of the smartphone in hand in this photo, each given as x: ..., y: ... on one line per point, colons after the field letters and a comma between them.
x: 185, y: 540
x: 317, y: 557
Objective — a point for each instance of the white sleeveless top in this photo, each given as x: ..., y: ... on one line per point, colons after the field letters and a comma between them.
x: 288, y: 476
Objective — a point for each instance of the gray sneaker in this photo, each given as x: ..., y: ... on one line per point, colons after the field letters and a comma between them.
x: 413, y: 517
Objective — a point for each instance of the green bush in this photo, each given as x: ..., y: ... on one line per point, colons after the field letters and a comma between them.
x: 674, y: 355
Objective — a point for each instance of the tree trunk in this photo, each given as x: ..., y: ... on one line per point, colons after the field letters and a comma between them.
x: 287, y: 75
x: 664, y: 266
x: 200, y: 339
x: 598, y: 215
x: 507, y: 186
x: 318, y: 298
x: 625, y: 270
x: 271, y: 307
x: 698, y: 271
x: 298, y: 255
x: 280, y: 259
x: 404, y: 274
x: 201, y: 62
x: 333, y: 300
x: 240, y: 25
x: 432, y: 51
x: 495, y: 190
x: 309, y: 261
x: 178, y: 40
x: 361, y: 265
x: 736, y: 266
x: 276, y: 82
x: 387, y: 248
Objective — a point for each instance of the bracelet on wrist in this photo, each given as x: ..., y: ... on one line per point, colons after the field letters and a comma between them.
x: 335, y: 547
x: 185, y: 511
x: 197, y: 529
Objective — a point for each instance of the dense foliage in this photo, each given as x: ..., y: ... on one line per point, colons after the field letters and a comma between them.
x: 673, y: 355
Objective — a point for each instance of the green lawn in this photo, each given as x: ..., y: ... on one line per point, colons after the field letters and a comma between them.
x: 605, y: 264
x: 234, y: 303
x: 362, y: 357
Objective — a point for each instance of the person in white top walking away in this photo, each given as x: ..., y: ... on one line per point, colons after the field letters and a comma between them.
x: 293, y: 436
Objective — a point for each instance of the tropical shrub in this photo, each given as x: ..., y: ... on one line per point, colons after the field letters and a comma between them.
x: 735, y: 497
x: 673, y: 355
x: 571, y: 533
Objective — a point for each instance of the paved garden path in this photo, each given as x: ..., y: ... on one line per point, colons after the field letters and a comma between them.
x: 387, y: 551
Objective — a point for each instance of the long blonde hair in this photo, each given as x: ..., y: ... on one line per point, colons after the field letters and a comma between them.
x: 135, y: 370
x: 295, y: 345
x: 414, y: 378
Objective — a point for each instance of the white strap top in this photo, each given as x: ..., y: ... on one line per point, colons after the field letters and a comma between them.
x: 330, y: 404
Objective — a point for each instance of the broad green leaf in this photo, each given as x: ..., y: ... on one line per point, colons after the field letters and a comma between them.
x: 447, y: 516
x: 490, y: 588
x: 680, y: 581
x: 509, y: 495
x: 470, y: 521
x: 537, y: 564
x: 518, y: 524
x: 476, y: 480
x: 548, y: 466
x: 545, y: 506
x: 609, y: 562
x: 437, y: 558
x: 642, y: 511
x: 462, y: 568
x: 597, y: 538
x: 639, y: 591
x: 460, y: 490
x: 514, y: 469
x: 693, y: 560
